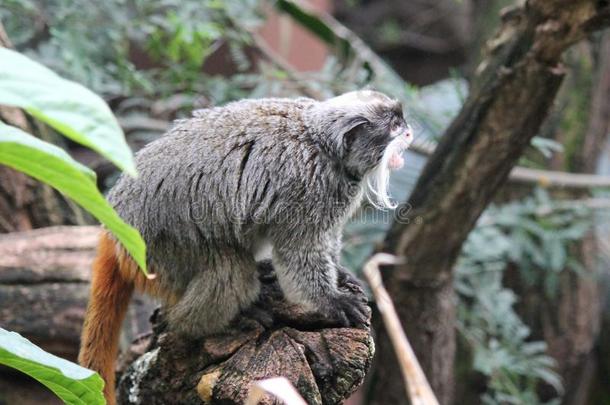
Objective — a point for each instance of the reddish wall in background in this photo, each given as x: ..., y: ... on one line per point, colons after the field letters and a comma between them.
x: 294, y: 44
x: 297, y: 46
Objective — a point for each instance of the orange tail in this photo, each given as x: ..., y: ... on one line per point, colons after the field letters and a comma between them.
x: 110, y: 295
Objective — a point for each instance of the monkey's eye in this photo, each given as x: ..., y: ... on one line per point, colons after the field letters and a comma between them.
x: 396, y: 127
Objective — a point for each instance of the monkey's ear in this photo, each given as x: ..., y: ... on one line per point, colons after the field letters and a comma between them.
x: 351, y: 130
x: 351, y: 126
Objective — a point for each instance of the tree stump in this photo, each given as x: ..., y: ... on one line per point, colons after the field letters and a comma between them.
x: 272, y: 339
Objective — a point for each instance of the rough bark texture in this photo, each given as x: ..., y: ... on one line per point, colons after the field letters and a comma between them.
x: 326, y: 365
x: 44, y: 287
x: 513, y: 89
x: 44, y: 276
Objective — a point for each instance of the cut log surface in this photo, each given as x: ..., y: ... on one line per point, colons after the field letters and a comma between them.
x: 44, y: 276
x: 325, y: 364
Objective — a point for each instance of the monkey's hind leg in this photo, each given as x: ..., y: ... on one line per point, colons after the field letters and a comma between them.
x: 216, y: 296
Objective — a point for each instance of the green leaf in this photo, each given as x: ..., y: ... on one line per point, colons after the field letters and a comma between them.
x: 556, y: 253
x: 66, y: 106
x: 52, y: 165
x: 70, y: 382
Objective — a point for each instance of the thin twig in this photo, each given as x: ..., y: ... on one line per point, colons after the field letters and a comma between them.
x: 545, y: 178
x: 549, y: 178
x: 418, y: 388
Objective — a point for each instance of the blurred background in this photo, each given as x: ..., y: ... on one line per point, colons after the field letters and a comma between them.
x: 532, y: 317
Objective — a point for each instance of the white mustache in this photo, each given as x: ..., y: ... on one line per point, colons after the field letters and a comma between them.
x: 378, y: 180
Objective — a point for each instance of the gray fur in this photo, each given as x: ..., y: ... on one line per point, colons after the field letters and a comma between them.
x: 221, y: 185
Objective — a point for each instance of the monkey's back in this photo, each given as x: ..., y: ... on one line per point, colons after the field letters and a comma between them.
x: 215, y: 180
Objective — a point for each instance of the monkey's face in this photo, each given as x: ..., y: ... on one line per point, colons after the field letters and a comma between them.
x: 367, y: 132
x: 374, y: 135
x: 380, y: 139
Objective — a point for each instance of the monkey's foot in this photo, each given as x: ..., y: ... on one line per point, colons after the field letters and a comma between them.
x: 348, y: 309
x: 259, y: 315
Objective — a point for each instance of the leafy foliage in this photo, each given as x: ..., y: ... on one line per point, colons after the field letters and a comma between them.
x: 534, y: 235
x: 70, y: 382
x: 86, y: 42
x: 542, y: 232
x: 80, y: 115
x: 121, y: 47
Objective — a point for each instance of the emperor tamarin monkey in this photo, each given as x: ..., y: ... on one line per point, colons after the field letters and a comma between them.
x: 220, y: 187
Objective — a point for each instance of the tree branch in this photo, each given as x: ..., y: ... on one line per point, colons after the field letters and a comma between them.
x: 511, y: 94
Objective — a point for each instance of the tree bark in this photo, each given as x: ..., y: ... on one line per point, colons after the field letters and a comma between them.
x: 44, y: 287
x: 326, y: 365
x: 513, y: 89
x: 44, y: 278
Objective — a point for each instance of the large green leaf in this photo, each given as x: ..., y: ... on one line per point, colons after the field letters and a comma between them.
x: 68, y: 107
x: 52, y: 165
x: 70, y: 382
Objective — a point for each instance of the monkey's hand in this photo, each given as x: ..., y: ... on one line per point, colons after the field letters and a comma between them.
x: 346, y: 309
x: 310, y: 278
x: 350, y: 307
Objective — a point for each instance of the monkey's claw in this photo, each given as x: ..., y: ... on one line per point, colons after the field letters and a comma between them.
x: 346, y: 280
